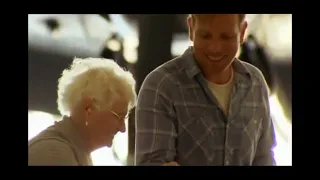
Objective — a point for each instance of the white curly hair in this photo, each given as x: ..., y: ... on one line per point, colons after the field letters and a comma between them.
x: 101, y: 79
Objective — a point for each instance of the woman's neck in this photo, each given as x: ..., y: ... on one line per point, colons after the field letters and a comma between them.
x: 84, y: 132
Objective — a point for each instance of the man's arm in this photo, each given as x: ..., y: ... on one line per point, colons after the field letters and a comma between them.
x: 51, y: 152
x: 264, y: 154
x: 155, y: 130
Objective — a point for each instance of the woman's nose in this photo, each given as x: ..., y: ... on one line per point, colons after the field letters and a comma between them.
x: 122, y: 127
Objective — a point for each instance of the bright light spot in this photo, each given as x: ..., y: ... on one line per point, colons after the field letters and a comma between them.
x: 120, y: 144
x: 130, y: 46
x: 179, y: 45
x: 96, y: 26
x: 122, y: 26
x: 284, y: 35
x: 114, y: 45
x: 130, y: 42
x: 104, y: 157
x: 38, y: 121
x: 55, y: 34
x: 130, y: 55
x: 279, y: 35
x: 278, y: 112
x: 283, y: 150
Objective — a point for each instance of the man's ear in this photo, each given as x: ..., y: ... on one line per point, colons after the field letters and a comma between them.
x: 243, y: 29
x: 190, y: 27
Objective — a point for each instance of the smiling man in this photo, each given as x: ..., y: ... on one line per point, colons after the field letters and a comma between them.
x: 206, y: 107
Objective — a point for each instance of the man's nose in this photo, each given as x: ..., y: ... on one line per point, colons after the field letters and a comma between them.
x: 215, y: 46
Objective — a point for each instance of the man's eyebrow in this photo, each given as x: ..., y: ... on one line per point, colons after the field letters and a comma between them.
x: 229, y: 33
x: 202, y: 30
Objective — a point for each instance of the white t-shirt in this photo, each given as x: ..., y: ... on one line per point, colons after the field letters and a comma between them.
x: 222, y: 93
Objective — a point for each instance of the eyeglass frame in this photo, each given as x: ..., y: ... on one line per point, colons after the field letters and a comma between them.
x: 118, y: 116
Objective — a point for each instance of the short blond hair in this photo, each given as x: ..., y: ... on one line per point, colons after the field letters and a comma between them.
x: 242, y: 17
x: 98, y: 78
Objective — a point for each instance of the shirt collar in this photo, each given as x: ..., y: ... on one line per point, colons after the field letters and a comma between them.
x: 192, y: 68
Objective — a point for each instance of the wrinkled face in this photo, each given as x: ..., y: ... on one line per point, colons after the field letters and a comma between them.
x: 104, y: 125
x: 216, y: 39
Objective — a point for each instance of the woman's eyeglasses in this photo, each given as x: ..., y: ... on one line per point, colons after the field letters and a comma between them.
x: 118, y: 116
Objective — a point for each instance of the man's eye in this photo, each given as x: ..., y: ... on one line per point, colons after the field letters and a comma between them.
x: 205, y: 36
x: 227, y: 36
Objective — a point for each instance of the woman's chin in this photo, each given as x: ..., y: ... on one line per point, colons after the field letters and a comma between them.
x: 109, y: 142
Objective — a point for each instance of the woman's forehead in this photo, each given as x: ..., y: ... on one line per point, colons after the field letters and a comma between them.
x: 120, y: 106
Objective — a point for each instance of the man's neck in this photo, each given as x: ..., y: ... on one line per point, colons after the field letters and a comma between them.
x: 221, y: 77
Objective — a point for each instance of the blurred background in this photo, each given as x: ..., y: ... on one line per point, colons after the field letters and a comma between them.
x: 140, y: 43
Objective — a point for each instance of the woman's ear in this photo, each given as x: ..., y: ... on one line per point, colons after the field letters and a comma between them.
x: 88, y: 104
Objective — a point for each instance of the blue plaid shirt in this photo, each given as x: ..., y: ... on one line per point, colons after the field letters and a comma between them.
x: 178, y: 119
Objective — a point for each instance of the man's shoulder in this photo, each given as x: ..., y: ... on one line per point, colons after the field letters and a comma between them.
x: 165, y: 73
x: 170, y: 67
x: 255, y: 73
x: 257, y: 76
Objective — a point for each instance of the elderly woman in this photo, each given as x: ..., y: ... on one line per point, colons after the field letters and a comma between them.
x: 94, y: 97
